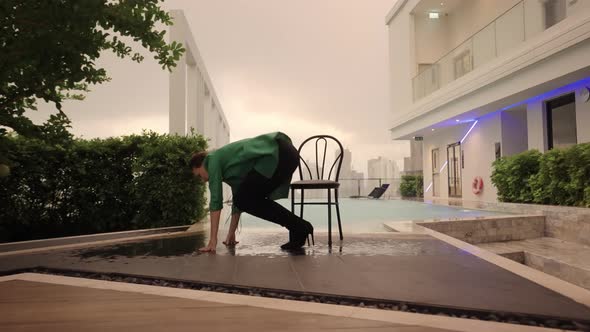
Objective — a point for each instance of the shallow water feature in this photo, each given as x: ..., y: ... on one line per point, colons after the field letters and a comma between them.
x: 267, y: 244
x: 386, y: 268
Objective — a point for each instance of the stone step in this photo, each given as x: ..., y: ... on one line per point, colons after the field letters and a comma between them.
x: 568, y: 261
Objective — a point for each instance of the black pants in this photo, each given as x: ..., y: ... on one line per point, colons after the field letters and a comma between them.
x: 252, y: 197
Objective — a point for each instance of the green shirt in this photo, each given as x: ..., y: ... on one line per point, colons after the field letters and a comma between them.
x: 232, y: 162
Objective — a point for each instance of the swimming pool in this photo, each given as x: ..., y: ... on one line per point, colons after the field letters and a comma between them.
x: 364, y: 215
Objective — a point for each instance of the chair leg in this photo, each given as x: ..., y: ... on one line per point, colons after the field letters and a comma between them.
x: 329, y: 217
x: 301, y: 211
x: 338, y: 214
x: 292, y: 200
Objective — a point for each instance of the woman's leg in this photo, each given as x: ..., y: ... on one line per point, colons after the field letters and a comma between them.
x: 252, y: 197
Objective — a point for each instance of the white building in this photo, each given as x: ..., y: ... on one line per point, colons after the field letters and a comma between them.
x: 193, y: 102
x: 480, y: 79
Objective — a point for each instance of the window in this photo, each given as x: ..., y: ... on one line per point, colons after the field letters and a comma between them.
x: 561, y: 122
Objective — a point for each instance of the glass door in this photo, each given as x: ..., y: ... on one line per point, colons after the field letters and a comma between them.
x: 454, y: 158
x: 435, y: 172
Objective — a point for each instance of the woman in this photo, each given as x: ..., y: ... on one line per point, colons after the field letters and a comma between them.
x: 258, y: 170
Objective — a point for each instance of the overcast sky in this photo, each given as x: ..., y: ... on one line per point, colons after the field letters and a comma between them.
x: 303, y: 67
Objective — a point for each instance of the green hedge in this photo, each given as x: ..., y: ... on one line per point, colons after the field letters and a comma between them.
x: 558, y: 177
x: 412, y: 186
x: 101, y: 185
x: 512, y: 176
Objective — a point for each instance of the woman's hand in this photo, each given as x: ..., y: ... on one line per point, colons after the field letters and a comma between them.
x: 230, y: 240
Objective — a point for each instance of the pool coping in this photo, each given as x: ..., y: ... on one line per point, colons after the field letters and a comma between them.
x: 159, y: 235
x: 80, y: 239
x: 410, y: 319
x: 569, y: 290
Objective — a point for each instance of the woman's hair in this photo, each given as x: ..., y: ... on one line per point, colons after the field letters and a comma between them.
x: 197, y: 159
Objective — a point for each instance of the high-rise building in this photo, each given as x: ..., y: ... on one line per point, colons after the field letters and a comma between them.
x: 413, y: 163
x: 382, y: 168
x: 346, y: 170
x: 348, y: 184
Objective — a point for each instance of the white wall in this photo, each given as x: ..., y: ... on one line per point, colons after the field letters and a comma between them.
x: 510, y: 29
x: 402, y: 65
x: 479, y: 153
x: 514, y: 132
x: 577, y: 7
x: 473, y: 15
x: 431, y: 38
x: 534, y: 19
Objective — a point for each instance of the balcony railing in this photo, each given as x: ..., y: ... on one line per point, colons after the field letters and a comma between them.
x: 524, y: 20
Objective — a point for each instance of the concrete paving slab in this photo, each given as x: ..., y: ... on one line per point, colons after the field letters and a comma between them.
x: 31, y: 306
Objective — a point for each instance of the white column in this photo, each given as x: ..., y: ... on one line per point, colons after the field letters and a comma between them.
x: 213, y: 124
x: 191, y: 98
x: 536, y: 125
x: 207, y: 117
x: 201, y: 100
x: 177, y: 99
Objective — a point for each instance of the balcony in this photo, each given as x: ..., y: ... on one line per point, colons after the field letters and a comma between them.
x: 514, y: 27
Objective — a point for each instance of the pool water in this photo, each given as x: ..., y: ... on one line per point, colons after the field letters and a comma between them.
x: 365, y: 215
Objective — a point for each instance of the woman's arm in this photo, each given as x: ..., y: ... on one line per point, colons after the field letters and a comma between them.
x: 212, y: 246
x: 231, y: 233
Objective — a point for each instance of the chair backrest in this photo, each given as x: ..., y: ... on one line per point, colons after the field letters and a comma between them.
x: 318, y: 171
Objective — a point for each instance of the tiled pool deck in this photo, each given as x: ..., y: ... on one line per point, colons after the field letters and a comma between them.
x: 414, y: 268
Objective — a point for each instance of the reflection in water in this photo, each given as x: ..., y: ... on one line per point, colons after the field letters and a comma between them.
x: 176, y: 246
x: 268, y: 245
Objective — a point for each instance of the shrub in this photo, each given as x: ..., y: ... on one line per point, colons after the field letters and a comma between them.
x: 563, y: 177
x: 101, y: 185
x: 412, y: 186
x: 558, y: 177
x: 512, y: 175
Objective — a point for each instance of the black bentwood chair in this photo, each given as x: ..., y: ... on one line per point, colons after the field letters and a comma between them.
x: 316, y: 179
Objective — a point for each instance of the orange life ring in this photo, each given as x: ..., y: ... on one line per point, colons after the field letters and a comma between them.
x: 477, y: 185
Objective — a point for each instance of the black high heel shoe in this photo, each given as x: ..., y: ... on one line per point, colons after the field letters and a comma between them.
x: 298, y: 236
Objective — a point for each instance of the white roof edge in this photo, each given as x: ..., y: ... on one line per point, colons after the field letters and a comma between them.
x: 179, y: 13
x: 395, y: 10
